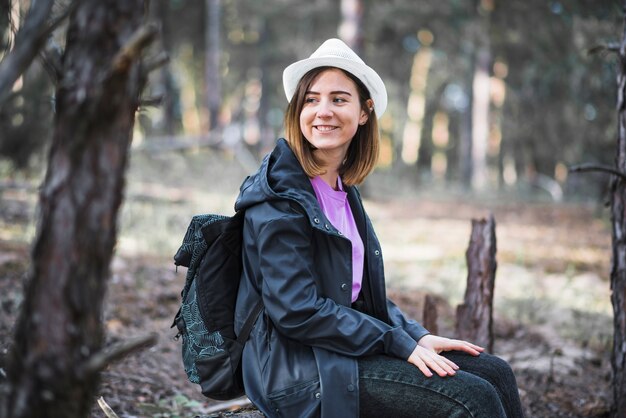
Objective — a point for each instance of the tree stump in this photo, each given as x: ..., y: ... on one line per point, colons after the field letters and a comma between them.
x: 474, y: 321
x: 429, y: 319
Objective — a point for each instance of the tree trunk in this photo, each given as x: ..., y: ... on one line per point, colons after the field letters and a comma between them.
x: 170, y: 105
x: 464, y: 161
x: 212, y: 68
x: 416, y: 104
x: 5, y: 13
x: 425, y: 151
x: 351, y: 27
x: 618, y: 262
x: 429, y: 319
x: 481, y: 100
x: 56, y: 358
x: 474, y: 319
x: 452, y: 168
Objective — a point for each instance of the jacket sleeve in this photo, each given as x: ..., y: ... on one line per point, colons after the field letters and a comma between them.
x: 292, y: 302
x: 397, y: 318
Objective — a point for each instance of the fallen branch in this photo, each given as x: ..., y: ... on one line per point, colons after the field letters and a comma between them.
x: 114, y: 352
x: 108, y: 411
x: 228, y: 406
x: 180, y: 143
x: 602, y: 168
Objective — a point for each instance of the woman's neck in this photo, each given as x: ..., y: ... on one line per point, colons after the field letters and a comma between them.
x: 331, y: 164
x: 330, y: 177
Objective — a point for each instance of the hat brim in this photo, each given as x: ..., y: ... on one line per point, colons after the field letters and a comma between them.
x: 294, y: 72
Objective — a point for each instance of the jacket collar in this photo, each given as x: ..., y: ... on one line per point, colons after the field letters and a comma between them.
x: 281, y: 177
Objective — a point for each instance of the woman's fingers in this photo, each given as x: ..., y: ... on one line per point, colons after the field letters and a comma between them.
x: 440, y: 366
x: 460, y: 345
x: 468, y: 347
x: 439, y: 344
x: 423, y: 367
x: 426, y: 354
x: 427, y: 360
x: 450, y: 363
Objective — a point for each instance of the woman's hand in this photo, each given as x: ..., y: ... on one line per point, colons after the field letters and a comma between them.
x: 426, y: 355
x: 439, y: 344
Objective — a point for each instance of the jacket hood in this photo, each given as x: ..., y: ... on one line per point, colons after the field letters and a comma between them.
x: 279, y: 177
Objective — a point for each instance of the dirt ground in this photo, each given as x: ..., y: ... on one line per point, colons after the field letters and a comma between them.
x: 560, y: 374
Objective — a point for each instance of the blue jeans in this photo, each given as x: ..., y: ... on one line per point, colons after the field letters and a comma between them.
x: 484, y: 387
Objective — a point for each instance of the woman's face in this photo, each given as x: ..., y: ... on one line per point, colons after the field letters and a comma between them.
x: 331, y: 113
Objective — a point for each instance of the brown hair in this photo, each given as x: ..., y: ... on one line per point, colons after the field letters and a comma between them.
x: 363, y: 151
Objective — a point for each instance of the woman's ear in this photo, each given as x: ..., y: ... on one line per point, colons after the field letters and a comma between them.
x: 369, y: 104
x: 363, y: 117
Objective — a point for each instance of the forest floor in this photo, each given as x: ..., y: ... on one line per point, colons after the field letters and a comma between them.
x: 552, y: 318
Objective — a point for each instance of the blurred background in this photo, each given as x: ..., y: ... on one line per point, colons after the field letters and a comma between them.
x: 491, y: 102
x: 484, y: 94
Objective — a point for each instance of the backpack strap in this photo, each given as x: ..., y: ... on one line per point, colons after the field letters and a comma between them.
x: 249, y: 324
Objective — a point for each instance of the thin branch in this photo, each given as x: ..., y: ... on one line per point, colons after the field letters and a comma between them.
x: 52, y: 53
x: 602, y: 168
x: 56, y: 21
x: 155, y: 62
x: 135, y: 45
x: 52, y: 56
x: 114, y: 352
x: 612, y: 47
x: 152, y: 101
x: 28, y: 41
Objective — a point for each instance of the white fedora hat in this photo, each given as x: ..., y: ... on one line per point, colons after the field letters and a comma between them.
x: 335, y: 53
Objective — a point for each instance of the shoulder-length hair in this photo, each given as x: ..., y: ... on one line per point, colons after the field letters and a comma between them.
x: 362, y: 154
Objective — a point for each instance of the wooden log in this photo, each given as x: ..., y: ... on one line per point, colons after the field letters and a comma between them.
x: 429, y: 319
x: 474, y: 317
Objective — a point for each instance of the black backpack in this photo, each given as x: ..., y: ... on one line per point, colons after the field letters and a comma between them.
x: 211, y: 250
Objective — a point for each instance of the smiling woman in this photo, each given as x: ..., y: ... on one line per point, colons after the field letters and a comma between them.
x: 330, y: 343
x: 347, y: 93
x: 331, y: 114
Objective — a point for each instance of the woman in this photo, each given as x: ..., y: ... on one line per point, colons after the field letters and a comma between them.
x: 329, y: 343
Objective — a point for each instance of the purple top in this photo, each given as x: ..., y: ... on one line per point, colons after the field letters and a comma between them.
x: 335, y: 205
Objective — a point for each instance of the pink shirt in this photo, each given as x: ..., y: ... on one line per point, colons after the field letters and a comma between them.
x: 335, y: 205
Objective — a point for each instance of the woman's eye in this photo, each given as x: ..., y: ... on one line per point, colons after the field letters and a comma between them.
x: 340, y: 100
x: 309, y: 100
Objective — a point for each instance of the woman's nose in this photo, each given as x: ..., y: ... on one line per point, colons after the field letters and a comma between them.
x: 324, y: 111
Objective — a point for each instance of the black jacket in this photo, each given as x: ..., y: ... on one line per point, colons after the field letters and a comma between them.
x: 300, y: 360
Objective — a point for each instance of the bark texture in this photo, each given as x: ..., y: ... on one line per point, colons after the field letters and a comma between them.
x: 618, y: 262
x: 59, y: 334
x: 474, y: 317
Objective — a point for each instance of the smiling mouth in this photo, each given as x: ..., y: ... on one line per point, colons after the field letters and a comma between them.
x: 325, y: 128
